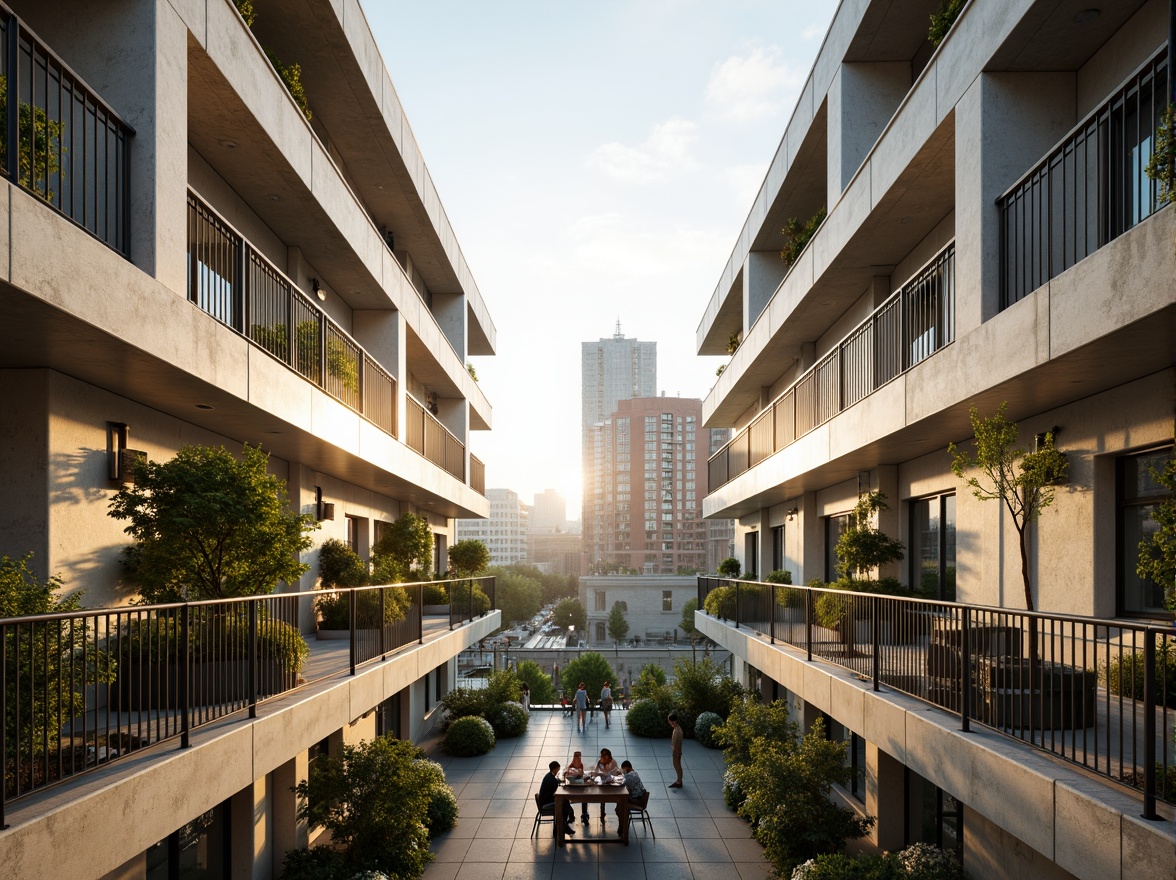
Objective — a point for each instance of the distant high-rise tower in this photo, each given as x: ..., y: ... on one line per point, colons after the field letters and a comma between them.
x: 612, y: 369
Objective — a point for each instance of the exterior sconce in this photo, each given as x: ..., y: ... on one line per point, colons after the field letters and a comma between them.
x: 121, y: 460
x: 318, y: 289
x: 323, y: 510
x: 431, y: 402
x: 792, y: 512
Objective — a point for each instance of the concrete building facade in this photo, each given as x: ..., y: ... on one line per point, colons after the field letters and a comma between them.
x: 652, y: 606
x: 194, y: 258
x: 989, y: 236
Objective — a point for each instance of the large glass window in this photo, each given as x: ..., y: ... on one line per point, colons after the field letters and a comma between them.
x: 1139, y: 495
x: 199, y: 850
x: 777, y: 548
x: 835, y: 526
x: 933, y: 545
x: 933, y: 815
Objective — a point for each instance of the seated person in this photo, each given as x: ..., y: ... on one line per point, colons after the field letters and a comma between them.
x: 633, y: 783
x: 575, y: 767
x: 606, y: 767
x: 547, y: 790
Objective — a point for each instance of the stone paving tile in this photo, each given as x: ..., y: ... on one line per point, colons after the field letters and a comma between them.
x: 495, y: 794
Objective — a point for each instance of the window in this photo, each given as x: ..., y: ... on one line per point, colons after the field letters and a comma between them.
x: 667, y: 600
x: 855, y: 755
x: 356, y: 527
x: 777, y: 548
x: 933, y: 543
x: 599, y: 598
x: 1139, y: 495
x: 200, y: 848
x: 751, y: 553
x: 835, y: 527
x: 600, y: 636
x: 933, y: 815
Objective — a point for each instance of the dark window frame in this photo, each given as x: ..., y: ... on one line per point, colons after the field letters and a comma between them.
x: 1122, y: 505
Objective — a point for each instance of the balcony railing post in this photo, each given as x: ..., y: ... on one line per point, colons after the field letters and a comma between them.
x: 352, y: 598
x: 1149, y: 724
x: 965, y: 671
x: 13, y: 97
x: 772, y: 614
x: 736, y: 604
x: 808, y: 623
x: 421, y: 614
x: 383, y: 590
x: 3, y: 704
x: 253, y: 658
x: 185, y: 675
x: 876, y: 639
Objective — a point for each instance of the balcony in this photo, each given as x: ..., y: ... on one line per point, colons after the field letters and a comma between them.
x: 430, y: 438
x: 83, y: 690
x: 1087, y: 191
x: 909, y: 327
x: 235, y: 284
x: 71, y: 150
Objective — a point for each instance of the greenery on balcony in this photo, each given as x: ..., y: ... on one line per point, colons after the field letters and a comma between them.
x: 1161, y: 167
x: 36, y: 168
x: 797, y: 235
x: 942, y: 20
x: 342, y: 364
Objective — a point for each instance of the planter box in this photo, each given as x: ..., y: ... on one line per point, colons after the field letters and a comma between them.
x: 155, y: 684
x: 1063, y: 696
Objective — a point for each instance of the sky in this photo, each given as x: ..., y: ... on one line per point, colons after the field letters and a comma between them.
x: 596, y: 162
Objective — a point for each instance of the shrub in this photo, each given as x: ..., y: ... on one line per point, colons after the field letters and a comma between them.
x: 340, y: 566
x: 320, y: 863
x: 1124, y: 675
x: 502, y: 686
x: 468, y: 736
x: 838, y: 866
x: 646, y: 718
x: 720, y: 602
x: 460, y: 702
x: 508, y: 720
x: 435, y: 594
x: 372, y: 799
x: 730, y: 567
x: 334, y: 611
x: 704, y: 729
x: 442, y: 812
x: 942, y: 20
x: 779, y: 576
x: 733, y: 794
x: 542, y: 690
x: 923, y: 861
x: 459, y: 596
x: 702, y: 687
x: 797, y: 235
x: 592, y: 669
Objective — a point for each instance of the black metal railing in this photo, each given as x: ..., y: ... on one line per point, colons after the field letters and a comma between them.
x: 1097, y: 693
x: 81, y: 689
x: 909, y: 327
x: 425, y: 435
x: 1088, y: 190
x: 240, y: 288
x: 61, y: 142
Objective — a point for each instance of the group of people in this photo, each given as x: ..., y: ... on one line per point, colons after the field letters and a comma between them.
x: 581, y: 705
x: 606, y: 768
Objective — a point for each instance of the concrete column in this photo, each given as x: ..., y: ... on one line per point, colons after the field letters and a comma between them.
x: 1005, y: 123
x: 862, y: 98
x: 762, y: 274
x: 809, y: 717
x: 812, y: 539
x: 289, y: 832
x: 251, y: 839
x: 451, y: 314
x: 884, y: 797
x: 884, y: 479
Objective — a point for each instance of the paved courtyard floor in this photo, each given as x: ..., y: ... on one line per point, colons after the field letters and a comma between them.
x: 696, y: 835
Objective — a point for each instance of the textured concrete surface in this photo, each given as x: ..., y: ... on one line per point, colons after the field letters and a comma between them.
x: 697, y: 836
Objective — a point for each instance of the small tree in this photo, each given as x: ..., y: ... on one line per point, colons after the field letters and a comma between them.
x: 618, y: 627
x: 592, y: 669
x: 542, y: 690
x: 1162, y: 166
x: 687, y: 623
x: 405, y: 549
x: 730, y: 567
x: 516, y: 596
x: 374, y: 800
x: 1157, y: 551
x: 209, y: 526
x: 340, y: 566
x: 568, y: 613
x: 468, y: 558
x: 863, y: 547
x: 1023, y: 481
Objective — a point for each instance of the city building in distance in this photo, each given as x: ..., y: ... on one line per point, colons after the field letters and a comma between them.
x: 195, y: 256
x: 506, y: 533
x: 966, y: 224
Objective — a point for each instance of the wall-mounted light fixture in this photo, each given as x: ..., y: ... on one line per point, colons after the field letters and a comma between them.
x: 792, y: 512
x: 121, y: 460
x: 322, y: 509
x: 318, y: 289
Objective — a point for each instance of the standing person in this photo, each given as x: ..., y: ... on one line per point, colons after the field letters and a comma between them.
x: 676, y: 748
x: 606, y: 703
x: 547, y: 789
x: 526, y: 697
x: 581, y: 702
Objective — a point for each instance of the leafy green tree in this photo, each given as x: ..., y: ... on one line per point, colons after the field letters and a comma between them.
x: 404, y: 550
x: 863, y: 547
x: 1157, y: 551
x: 618, y: 627
x: 209, y: 526
x: 797, y: 235
x: 517, y: 596
x: 730, y: 567
x: 592, y: 669
x: 942, y: 20
x: 703, y: 687
x: 648, y: 681
x: 542, y: 689
x: 1024, y: 481
x: 569, y: 612
x: 468, y: 558
x: 749, y: 720
x: 37, y: 168
x: 687, y: 624
x: 556, y: 587
x: 340, y: 566
x: 374, y: 800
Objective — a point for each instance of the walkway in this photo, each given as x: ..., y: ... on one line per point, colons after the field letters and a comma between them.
x: 697, y: 836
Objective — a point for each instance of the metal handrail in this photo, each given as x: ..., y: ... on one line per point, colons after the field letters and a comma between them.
x: 82, y: 689
x: 1090, y: 691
